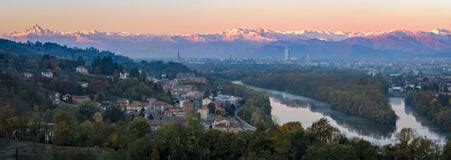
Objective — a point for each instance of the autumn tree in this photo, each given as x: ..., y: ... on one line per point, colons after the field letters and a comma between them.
x: 140, y: 148
x: 330, y: 151
x: 321, y: 131
x: 412, y: 147
x: 8, y: 120
x: 139, y: 127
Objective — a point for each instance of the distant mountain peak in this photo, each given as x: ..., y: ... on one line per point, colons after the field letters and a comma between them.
x: 242, y: 34
x: 36, y: 27
x: 441, y: 32
x: 88, y: 32
x: 247, y: 40
x: 34, y: 30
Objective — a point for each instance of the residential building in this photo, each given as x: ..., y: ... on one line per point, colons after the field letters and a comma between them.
x: 84, y: 84
x: 203, y: 111
x: 206, y: 101
x: 47, y: 74
x: 81, y: 69
x: 27, y: 75
x: 123, y: 75
x: 80, y: 99
x: 123, y: 102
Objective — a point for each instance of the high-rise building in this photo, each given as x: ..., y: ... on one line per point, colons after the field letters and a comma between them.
x: 286, y: 56
x: 178, y: 56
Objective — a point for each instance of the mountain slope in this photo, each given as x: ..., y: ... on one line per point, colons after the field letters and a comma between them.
x: 252, y: 43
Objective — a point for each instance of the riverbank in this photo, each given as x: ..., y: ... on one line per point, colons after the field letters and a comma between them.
x: 350, y: 92
x: 431, y: 107
x: 287, y: 108
x: 256, y: 109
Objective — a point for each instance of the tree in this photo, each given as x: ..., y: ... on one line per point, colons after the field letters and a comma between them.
x: 412, y: 147
x: 135, y: 73
x: 61, y: 134
x: 217, y: 144
x: 405, y: 137
x: 444, y: 99
x: 139, y: 127
x: 97, y: 117
x: 284, y: 147
x: 257, y: 117
x: 169, y: 139
x: 8, y: 120
x: 330, y: 151
x: 291, y: 128
x: 155, y: 155
x: 365, y: 150
x: 140, y: 148
x: 36, y: 128
x: 119, y: 136
x: 447, y: 150
x: 230, y: 109
x: 193, y: 134
x: 84, y: 134
x: 65, y: 122
x: 80, y: 61
x: 403, y: 150
x: 289, y: 140
x: 103, y: 132
x: 105, y: 66
x: 424, y: 149
x: 66, y: 115
x: 86, y: 111
x: 113, y: 114
x: 322, y: 131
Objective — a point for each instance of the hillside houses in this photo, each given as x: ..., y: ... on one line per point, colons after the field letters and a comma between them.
x: 47, y: 74
x: 81, y: 70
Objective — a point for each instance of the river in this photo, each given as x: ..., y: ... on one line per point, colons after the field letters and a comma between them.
x: 288, y: 107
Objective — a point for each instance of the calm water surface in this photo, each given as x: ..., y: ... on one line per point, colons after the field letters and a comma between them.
x: 287, y: 108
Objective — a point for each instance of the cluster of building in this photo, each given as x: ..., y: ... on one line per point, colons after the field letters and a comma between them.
x: 215, y: 112
x: 402, y: 83
x: 190, y: 99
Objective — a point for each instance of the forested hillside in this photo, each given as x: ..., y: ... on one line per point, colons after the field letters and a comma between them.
x: 36, y: 49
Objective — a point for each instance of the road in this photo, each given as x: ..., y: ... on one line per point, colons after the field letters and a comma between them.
x: 244, y: 124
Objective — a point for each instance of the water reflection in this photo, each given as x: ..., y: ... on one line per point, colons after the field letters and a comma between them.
x: 352, y: 123
x: 287, y: 107
x: 407, y: 119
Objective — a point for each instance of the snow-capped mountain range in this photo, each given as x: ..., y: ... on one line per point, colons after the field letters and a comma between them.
x: 240, y: 42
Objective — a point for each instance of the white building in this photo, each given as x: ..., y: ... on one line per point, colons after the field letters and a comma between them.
x: 81, y: 69
x: 203, y: 112
x: 181, y: 103
x: 286, y: 55
x: 123, y: 75
x: 47, y: 74
x: 206, y: 101
x: 84, y: 84
x: 27, y: 75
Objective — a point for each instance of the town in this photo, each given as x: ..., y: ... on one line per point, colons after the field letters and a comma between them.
x: 189, y: 96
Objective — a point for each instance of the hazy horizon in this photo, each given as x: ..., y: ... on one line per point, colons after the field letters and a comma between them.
x: 203, y: 16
